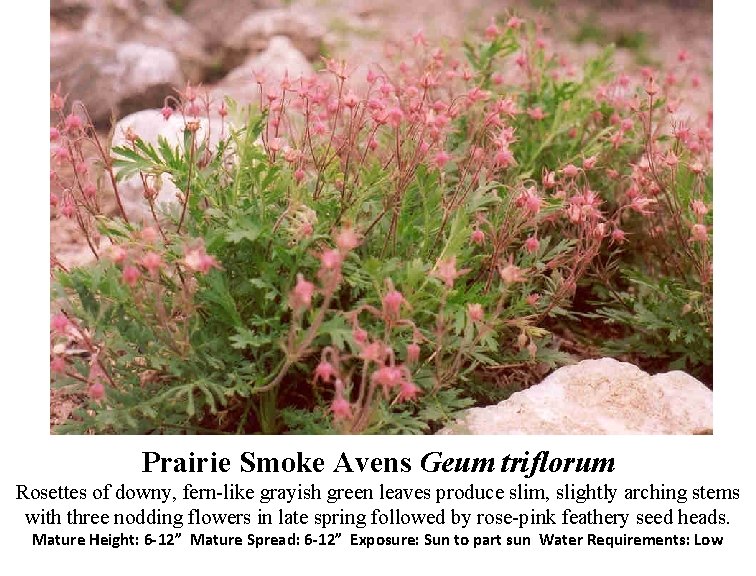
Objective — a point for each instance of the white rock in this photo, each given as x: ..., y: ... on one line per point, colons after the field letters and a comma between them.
x: 145, y: 67
x: 109, y: 78
x: 253, y: 34
x: 149, y: 22
x: 280, y: 58
x: 598, y: 397
x: 216, y: 20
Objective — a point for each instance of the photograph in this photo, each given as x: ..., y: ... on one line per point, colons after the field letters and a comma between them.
x: 375, y: 217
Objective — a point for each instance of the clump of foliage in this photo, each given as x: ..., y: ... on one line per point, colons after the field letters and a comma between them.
x: 352, y: 256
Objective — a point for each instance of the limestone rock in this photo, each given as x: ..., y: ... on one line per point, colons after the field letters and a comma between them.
x: 151, y: 23
x: 216, y: 20
x: 279, y: 58
x: 598, y: 397
x: 111, y: 78
x: 255, y: 32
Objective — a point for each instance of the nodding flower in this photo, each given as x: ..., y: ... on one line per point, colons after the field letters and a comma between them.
x: 300, y: 297
x: 324, y: 372
x: 492, y: 30
x: 531, y: 245
x: 447, y: 272
x: 152, y: 262
x: 392, y: 303
x: 570, y: 171
x: 589, y: 162
x: 407, y: 391
x: 699, y: 233
x: 130, y: 275
x: 341, y: 408
x: 478, y: 237
x: 475, y: 312
x: 59, y: 323
x: 347, y: 240
x: 413, y: 352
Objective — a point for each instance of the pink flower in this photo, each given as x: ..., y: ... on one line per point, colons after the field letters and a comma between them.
x: 492, y: 30
x: 197, y: 260
x: 301, y: 296
x: 58, y: 365
x: 641, y: 205
x: 441, y: 158
x: 56, y: 101
x: 81, y: 168
x: 60, y: 154
x: 89, y: 190
x: 167, y: 112
x: 59, y: 323
x: 54, y: 134
x: 360, y: 336
x: 447, y: 271
x: 324, y: 372
x: 392, y: 303
x: 413, y: 352
x: 351, y: 100
x: 372, y: 352
x: 589, y: 162
x: 388, y: 377
x: 130, y: 275
x: 330, y: 260
x: 511, y: 273
x: 275, y: 144
x: 536, y: 113
x: 341, y: 408
x: 699, y: 208
x: 149, y: 234
x: 96, y: 391
x: 475, y: 312
x: 504, y: 158
x: 152, y: 262
x: 531, y: 245
x: 532, y: 299
x: 478, y: 237
x: 394, y: 116
x: 73, y: 123
x: 117, y: 253
x: 699, y: 233
x: 514, y: 23
x: 529, y: 200
x: 570, y: 170
x: 292, y: 155
x: 68, y: 210
x: 408, y: 391
x: 619, y: 236
x: 347, y: 239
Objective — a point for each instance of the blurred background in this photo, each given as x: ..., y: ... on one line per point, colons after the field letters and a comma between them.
x: 120, y: 56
